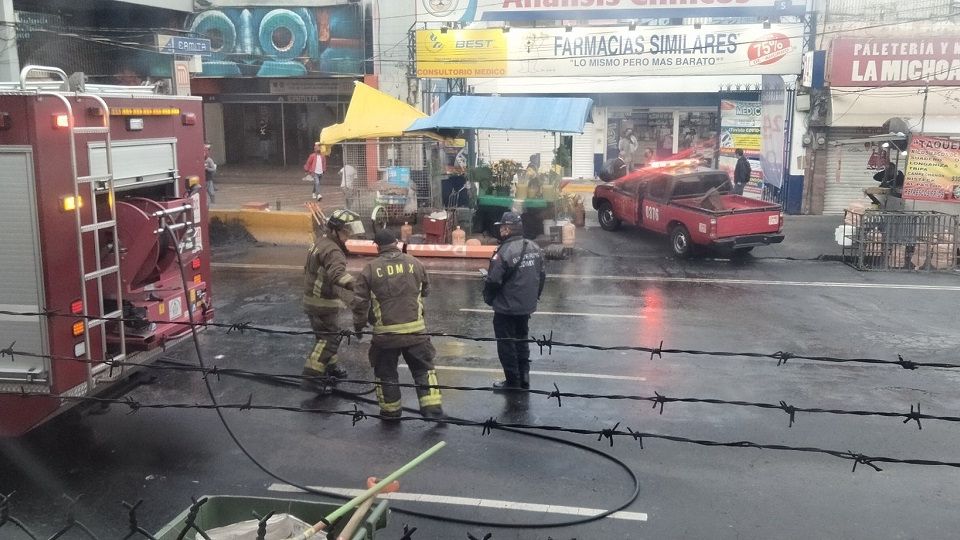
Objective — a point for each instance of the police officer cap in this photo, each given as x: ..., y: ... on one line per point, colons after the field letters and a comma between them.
x: 509, y: 219
x: 385, y: 238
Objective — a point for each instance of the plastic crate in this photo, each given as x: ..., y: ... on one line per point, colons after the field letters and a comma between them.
x: 399, y: 176
x: 435, y: 229
x: 221, y: 510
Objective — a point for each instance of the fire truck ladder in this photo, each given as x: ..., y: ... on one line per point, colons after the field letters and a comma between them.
x: 88, y: 187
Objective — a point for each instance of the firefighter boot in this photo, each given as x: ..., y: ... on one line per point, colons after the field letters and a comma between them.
x: 336, y: 372
x: 315, y: 381
x: 435, y: 411
x: 390, y: 416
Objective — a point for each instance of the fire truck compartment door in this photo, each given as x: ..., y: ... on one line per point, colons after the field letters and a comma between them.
x: 21, y: 281
x: 136, y: 162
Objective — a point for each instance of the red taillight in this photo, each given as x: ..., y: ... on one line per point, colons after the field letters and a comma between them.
x: 76, y: 307
x: 195, y: 264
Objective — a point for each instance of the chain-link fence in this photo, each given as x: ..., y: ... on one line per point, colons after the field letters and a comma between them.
x: 388, y: 181
x: 879, y: 240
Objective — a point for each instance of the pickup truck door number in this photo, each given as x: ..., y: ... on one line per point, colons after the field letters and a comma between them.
x: 651, y: 213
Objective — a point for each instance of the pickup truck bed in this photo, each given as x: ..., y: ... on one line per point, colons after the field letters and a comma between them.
x: 737, y: 216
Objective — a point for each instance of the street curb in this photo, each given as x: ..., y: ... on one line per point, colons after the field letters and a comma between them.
x: 284, y: 228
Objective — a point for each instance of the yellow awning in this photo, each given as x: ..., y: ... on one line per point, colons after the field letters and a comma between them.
x: 373, y: 114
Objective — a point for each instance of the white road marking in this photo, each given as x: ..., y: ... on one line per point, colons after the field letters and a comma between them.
x: 541, y: 373
x: 466, y: 501
x: 652, y: 279
x: 567, y: 313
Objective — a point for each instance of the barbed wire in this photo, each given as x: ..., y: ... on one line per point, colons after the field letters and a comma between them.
x: 658, y: 400
x: 490, y: 425
x: 545, y: 342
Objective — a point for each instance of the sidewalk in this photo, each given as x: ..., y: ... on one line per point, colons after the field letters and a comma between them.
x: 807, y: 237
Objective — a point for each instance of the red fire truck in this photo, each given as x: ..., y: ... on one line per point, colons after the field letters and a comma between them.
x: 100, y: 188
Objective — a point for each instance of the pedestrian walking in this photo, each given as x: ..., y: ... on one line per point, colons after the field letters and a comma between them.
x: 389, y: 294
x: 325, y: 280
x: 264, y: 136
x: 512, y: 288
x: 741, y: 173
x: 210, y: 170
x: 315, y: 165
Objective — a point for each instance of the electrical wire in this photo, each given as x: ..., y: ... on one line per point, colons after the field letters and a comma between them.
x: 447, y: 519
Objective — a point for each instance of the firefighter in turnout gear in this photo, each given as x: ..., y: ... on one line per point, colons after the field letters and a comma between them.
x: 389, y: 294
x: 326, y: 281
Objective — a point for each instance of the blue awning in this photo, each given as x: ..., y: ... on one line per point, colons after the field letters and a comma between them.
x: 560, y: 115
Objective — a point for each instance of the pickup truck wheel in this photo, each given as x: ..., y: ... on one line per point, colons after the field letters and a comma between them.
x: 608, y: 220
x: 680, y: 242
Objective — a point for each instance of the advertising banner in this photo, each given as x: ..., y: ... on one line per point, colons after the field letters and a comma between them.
x: 773, y: 112
x: 468, y: 11
x: 740, y: 127
x: 611, y: 51
x: 933, y: 170
x: 901, y: 61
x: 461, y: 53
x: 279, y: 42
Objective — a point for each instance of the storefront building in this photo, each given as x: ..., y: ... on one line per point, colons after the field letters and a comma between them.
x: 276, y: 76
x: 906, y: 83
x: 106, y: 41
x: 658, y: 75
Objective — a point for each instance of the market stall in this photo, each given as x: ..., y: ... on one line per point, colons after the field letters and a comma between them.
x: 906, y: 217
x: 532, y: 188
x: 387, y: 174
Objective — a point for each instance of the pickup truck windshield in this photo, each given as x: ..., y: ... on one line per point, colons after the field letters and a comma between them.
x: 696, y: 186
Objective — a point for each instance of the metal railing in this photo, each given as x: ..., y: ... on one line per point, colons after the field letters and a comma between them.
x: 904, y: 241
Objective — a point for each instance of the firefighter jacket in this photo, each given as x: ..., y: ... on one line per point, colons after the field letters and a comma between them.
x: 326, y: 267
x: 515, y: 278
x: 389, y: 294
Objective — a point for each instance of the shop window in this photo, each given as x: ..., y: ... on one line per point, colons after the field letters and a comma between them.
x: 652, y: 136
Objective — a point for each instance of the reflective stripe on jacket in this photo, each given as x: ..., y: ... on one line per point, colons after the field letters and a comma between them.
x: 389, y: 293
x: 326, y: 266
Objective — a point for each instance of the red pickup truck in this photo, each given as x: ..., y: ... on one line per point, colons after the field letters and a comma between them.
x: 694, y: 207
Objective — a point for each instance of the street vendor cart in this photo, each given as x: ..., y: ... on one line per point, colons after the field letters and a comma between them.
x: 506, y: 184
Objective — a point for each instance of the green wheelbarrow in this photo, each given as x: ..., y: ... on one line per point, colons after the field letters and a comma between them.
x: 211, y: 512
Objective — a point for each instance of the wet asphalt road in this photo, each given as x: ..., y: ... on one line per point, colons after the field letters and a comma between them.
x: 642, y: 297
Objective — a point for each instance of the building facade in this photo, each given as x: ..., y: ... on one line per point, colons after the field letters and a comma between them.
x: 277, y: 73
x: 882, y: 63
x: 666, y: 80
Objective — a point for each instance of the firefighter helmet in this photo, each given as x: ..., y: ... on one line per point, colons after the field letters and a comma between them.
x: 345, y: 220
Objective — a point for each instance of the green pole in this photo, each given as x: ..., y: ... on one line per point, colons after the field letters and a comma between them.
x: 339, y: 512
